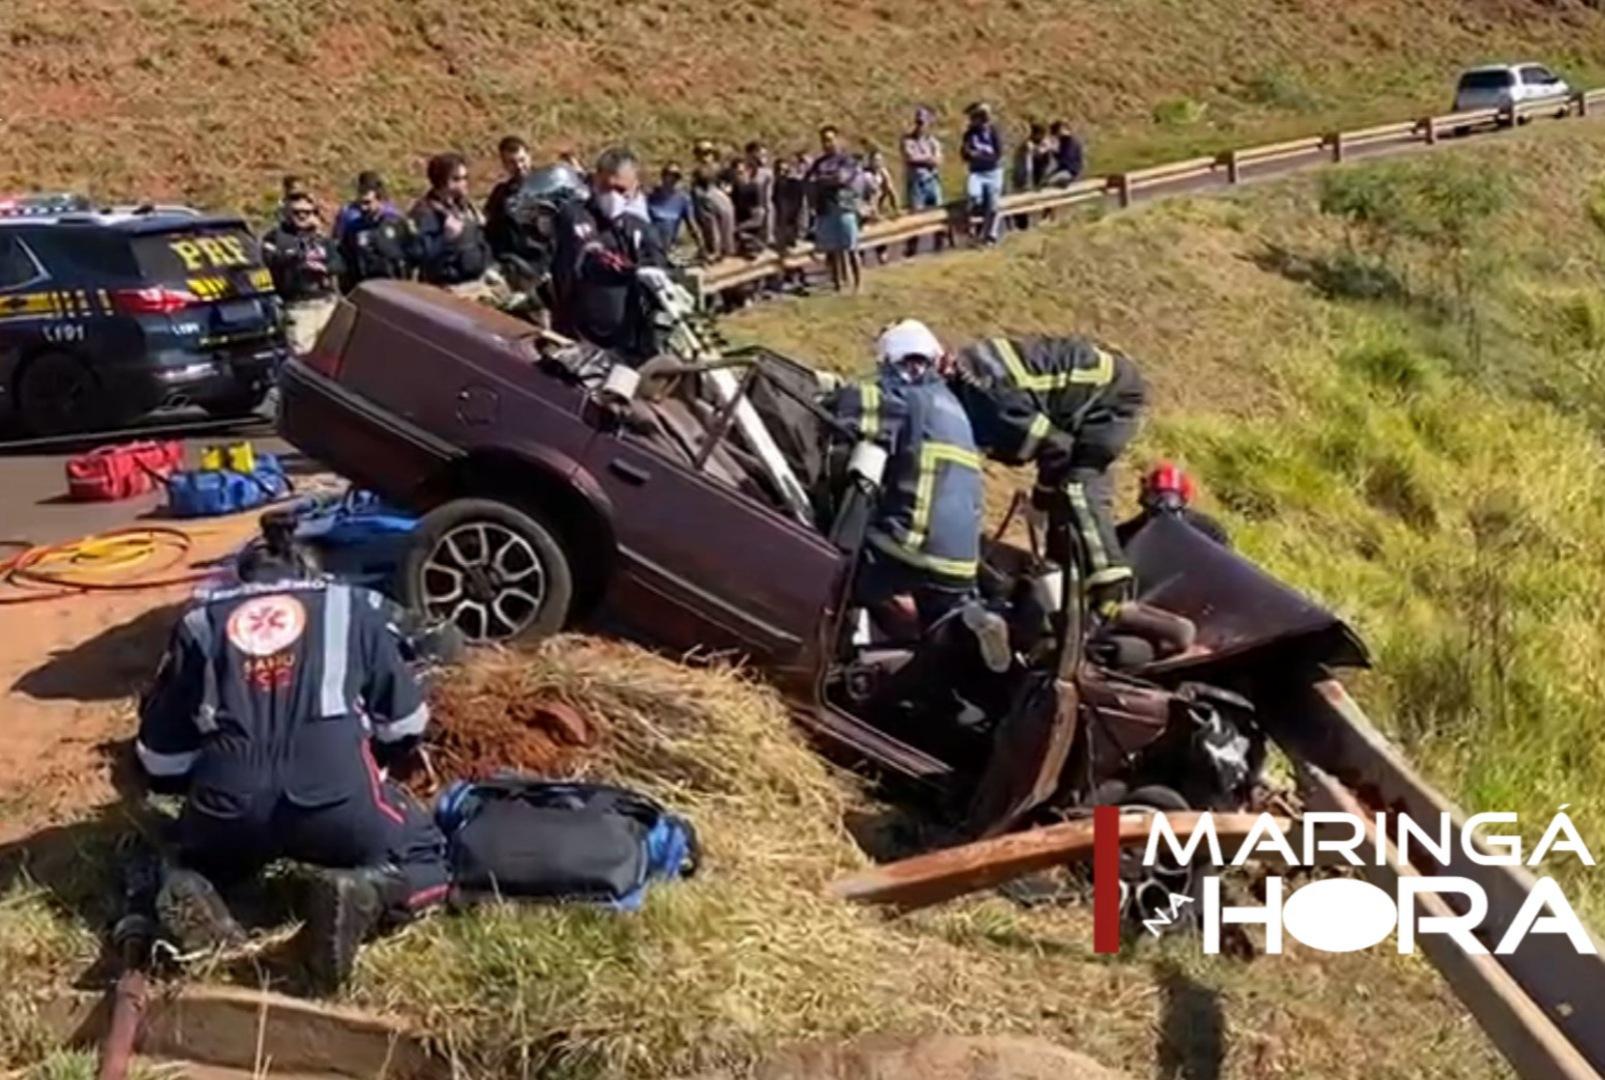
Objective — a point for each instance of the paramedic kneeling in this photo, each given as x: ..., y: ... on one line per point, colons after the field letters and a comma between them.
x: 267, y: 713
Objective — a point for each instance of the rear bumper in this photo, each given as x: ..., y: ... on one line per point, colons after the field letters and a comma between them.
x: 358, y: 438
x: 177, y: 376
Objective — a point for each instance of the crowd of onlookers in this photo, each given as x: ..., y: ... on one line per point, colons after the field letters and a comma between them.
x: 726, y: 204
x: 753, y: 201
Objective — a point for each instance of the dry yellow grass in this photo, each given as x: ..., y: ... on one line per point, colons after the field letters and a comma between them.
x: 751, y: 953
x: 214, y: 99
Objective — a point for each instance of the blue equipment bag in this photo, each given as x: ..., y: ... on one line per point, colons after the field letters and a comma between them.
x: 210, y: 492
x: 358, y: 537
x: 517, y: 836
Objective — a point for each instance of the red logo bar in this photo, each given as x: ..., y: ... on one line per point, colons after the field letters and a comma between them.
x: 1106, y: 879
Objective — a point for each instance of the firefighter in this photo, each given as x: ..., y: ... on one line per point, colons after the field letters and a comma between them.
x: 601, y: 243
x: 1071, y: 406
x: 306, y: 267
x: 1168, y: 490
x: 276, y: 706
x: 375, y: 240
x: 924, y: 537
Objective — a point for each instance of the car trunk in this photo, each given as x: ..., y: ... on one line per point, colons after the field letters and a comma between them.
x: 211, y: 273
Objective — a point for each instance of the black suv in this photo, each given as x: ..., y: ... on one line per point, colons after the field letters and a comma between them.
x: 108, y: 314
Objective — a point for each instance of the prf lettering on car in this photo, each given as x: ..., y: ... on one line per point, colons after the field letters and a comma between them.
x: 210, y: 252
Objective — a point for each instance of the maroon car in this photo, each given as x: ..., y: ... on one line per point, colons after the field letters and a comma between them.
x: 712, y: 507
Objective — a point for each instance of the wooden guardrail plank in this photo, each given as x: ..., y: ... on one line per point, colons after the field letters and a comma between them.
x: 733, y: 273
x: 1381, y: 131
x: 1516, y: 1024
x: 1323, y: 726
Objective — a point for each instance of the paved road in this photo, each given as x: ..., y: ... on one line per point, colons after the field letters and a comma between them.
x: 33, y: 487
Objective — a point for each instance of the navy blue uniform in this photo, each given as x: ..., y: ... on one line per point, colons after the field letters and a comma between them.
x: 597, y: 297
x: 268, y: 705
x: 926, y: 532
x: 1069, y: 405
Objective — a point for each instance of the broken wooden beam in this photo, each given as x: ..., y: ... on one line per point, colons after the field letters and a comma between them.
x: 937, y: 876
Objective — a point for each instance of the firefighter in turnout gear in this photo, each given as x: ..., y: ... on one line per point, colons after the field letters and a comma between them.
x: 274, y: 709
x: 925, y: 534
x: 1071, y: 406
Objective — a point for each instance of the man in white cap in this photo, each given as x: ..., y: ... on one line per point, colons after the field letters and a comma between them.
x: 924, y: 538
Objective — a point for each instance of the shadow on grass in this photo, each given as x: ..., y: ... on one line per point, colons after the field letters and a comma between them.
x: 116, y: 663
x: 1192, y: 1028
x: 93, y: 871
x: 1337, y: 277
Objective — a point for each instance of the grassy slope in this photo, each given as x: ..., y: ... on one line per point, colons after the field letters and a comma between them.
x: 213, y: 99
x: 1450, y: 510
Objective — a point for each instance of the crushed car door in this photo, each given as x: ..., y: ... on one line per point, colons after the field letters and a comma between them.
x: 707, y: 562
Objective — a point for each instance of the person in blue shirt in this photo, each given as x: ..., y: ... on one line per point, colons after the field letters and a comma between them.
x: 352, y: 212
x: 669, y: 207
x: 982, y: 150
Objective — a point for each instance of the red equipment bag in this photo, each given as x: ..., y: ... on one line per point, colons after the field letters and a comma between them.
x: 110, y: 473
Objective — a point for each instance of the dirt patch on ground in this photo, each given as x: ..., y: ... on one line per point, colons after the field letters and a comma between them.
x: 71, y: 670
x: 486, y: 722
x: 939, y: 1057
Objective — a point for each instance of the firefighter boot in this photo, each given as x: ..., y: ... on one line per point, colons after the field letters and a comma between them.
x: 343, y: 907
x: 193, y: 914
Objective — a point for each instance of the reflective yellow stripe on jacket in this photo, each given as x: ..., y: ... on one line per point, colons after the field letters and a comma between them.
x: 932, y: 456
x: 870, y: 410
x: 1097, y: 375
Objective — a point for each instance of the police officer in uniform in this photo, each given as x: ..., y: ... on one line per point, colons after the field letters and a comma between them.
x: 277, y: 704
x: 1071, y: 406
x: 306, y: 270
x: 924, y: 537
x: 452, y: 250
x: 601, y: 244
x: 376, y: 241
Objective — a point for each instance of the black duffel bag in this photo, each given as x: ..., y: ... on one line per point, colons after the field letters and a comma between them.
x: 521, y: 837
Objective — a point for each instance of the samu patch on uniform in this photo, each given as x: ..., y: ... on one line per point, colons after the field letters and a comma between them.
x: 265, y: 625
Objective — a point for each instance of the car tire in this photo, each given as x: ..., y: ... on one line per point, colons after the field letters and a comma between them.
x: 495, y: 571
x: 57, y: 394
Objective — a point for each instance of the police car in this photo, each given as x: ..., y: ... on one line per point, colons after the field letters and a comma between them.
x: 109, y: 314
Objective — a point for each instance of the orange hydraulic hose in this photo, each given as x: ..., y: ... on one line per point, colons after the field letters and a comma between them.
x: 117, y: 561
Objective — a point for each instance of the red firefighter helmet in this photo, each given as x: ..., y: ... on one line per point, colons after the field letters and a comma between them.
x: 1167, y: 484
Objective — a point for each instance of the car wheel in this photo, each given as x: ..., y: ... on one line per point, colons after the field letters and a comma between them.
x: 1163, y: 898
x: 58, y: 393
x: 236, y: 405
x: 492, y: 570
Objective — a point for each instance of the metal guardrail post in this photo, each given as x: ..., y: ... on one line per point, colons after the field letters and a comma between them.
x: 1122, y: 184
x: 1234, y: 167
x: 1430, y: 127
x: 1580, y: 99
x: 1507, y: 115
x: 1335, y: 141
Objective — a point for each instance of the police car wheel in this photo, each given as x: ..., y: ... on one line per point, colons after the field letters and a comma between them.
x: 494, y: 571
x: 57, y: 393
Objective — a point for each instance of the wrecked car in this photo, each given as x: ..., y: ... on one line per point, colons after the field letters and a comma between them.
x: 704, y: 505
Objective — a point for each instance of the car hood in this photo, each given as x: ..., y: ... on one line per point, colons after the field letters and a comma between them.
x: 1246, y: 618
